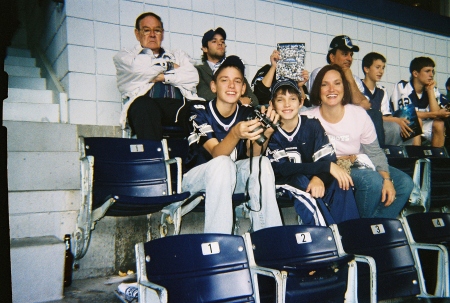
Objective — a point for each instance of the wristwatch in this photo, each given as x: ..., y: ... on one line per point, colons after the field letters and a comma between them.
x: 390, y: 179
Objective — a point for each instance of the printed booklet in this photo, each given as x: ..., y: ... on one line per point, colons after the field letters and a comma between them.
x: 292, y: 61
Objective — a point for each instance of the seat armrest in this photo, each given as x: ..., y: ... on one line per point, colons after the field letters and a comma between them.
x: 442, y: 286
x: 373, y: 275
x: 280, y: 281
x: 150, y: 292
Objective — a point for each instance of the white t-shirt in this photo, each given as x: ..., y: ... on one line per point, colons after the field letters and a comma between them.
x: 354, y: 129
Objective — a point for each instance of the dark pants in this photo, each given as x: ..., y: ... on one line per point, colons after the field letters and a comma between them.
x: 147, y: 116
x: 377, y: 119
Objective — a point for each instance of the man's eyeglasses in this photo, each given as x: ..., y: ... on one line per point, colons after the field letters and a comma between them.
x: 148, y: 31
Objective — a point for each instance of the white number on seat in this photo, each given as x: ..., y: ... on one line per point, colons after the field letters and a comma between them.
x: 438, y: 222
x: 137, y: 148
x: 210, y: 248
x: 303, y: 238
x: 377, y: 229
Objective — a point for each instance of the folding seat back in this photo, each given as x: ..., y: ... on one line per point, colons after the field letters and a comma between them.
x: 385, y: 241
x: 123, y: 166
x: 123, y: 177
x: 308, y: 255
x: 394, y: 151
x: 440, y: 184
x: 426, y: 151
x: 431, y: 227
x: 196, y: 268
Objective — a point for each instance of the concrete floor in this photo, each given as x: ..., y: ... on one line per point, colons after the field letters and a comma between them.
x: 98, y: 290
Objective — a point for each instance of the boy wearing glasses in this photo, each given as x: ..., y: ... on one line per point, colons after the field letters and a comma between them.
x: 422, y: 92
x: 155, y: 84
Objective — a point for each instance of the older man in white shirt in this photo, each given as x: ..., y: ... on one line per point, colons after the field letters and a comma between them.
x: 155, y: 84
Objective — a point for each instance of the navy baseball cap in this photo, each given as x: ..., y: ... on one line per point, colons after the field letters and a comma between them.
x: 209, y: 35
x: 284, y: 82
x: 343, y: 42
x: 232, y: 61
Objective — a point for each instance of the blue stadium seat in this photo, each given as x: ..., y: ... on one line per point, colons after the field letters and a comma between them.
x: 387, y: 268
x: 431, y: 228
x: 307, y: 256
x: 124, y: 177
x: 198, y: 268
x: 394, y: 151
x: 426, y: 152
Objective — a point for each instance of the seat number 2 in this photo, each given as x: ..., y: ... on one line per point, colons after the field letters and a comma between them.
x: 303, y: 238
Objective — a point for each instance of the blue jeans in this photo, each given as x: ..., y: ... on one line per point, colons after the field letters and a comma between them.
x: 368, y: 186
x: 220, y: 177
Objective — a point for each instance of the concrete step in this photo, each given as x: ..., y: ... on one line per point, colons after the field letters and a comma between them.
x: 23, y: 71
x: 20, y: 61
x: 41, y: 137
x: 27, y: 82
x: 43, y: 223
x: 37, y: 269
x: 30, y: 112
x: 23, y: 95
x: 43, y: 171
x: 18, y: 52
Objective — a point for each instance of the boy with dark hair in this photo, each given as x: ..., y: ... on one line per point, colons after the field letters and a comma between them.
x: 422, y: 92
x: 220, y: 143
x: 373, y: 65
x: 303, y: 161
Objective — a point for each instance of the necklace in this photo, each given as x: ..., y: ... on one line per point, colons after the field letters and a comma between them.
x: 225, y: 126
x: 291, y: 137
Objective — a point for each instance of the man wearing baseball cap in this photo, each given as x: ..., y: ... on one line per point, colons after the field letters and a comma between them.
x: 214, y: 48
x: 340, y: 53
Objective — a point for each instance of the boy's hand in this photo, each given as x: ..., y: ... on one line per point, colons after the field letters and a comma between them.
x: 405, y: 130
x: 246, y: 129
x: 431, y: 85
x: 272, y: 115
x: 316, y: 188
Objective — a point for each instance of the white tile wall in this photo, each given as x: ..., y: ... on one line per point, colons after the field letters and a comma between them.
x: 96, y: 29
x: 180, y: 21
x: 80, y: 32
x: 265, y: 34
x: 108, y: 113
x: 249, y: 34
x: 206, y: 6
x: 106, y: 11
x: 225, y: 8
x: 284, y: 15
x: 83, y: 112
x: 107, y: 35
x: 81, y: 59
x: 107, y: 89
x: 245, y: 9
x: 265, y: 12
x: 104, y: 60
x: 80, y: 9
x: 80, y: 86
